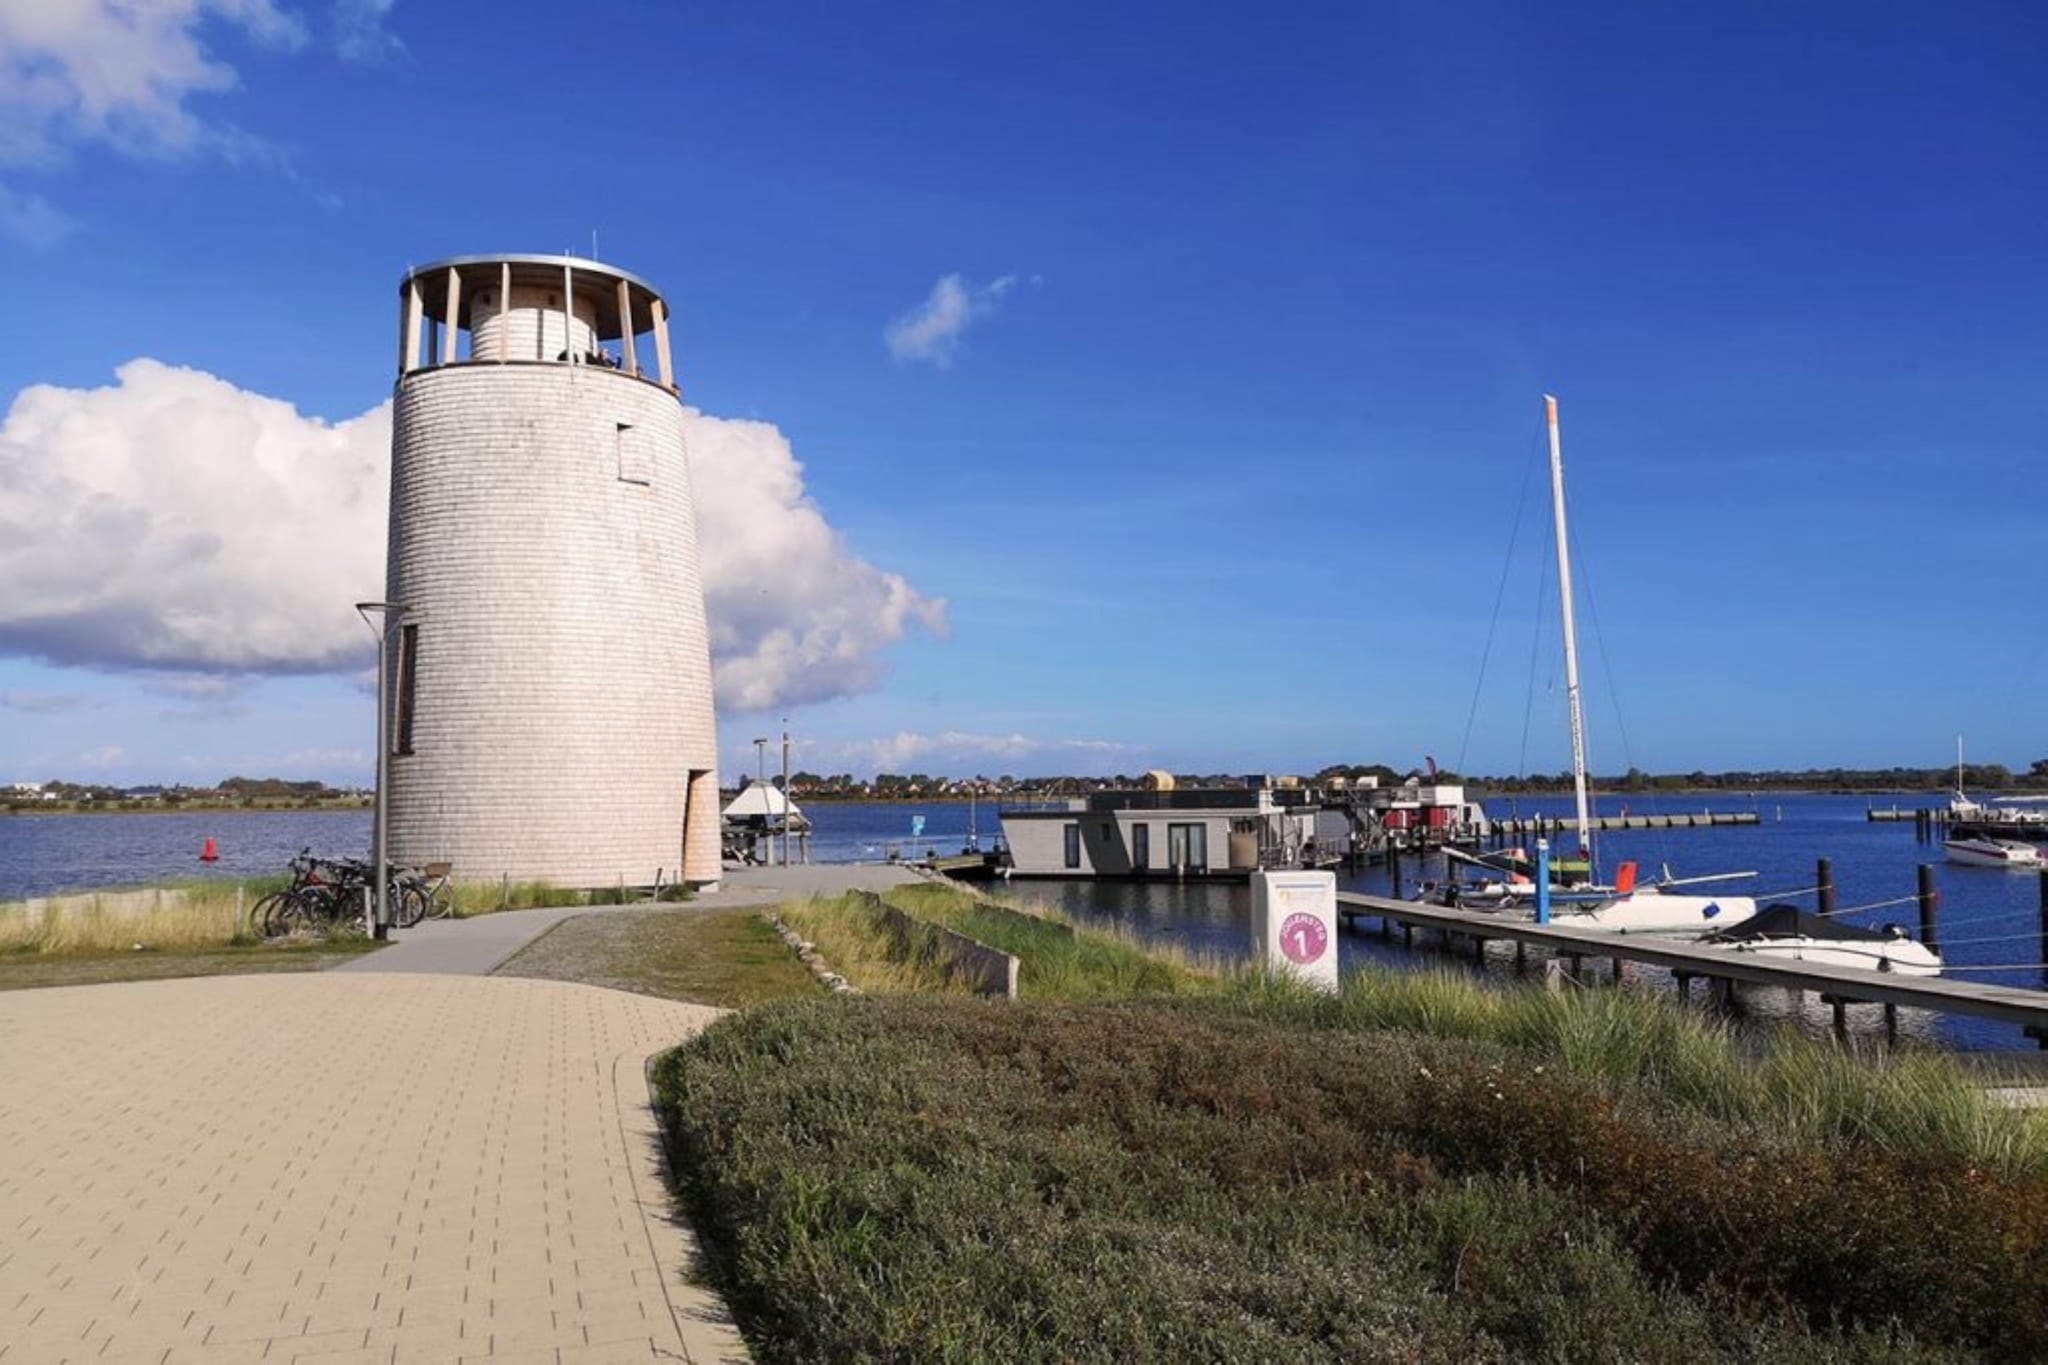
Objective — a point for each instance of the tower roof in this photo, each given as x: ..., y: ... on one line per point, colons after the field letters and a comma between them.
x: 595, y: 281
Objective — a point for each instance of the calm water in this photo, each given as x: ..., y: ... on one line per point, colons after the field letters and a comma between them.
x: 1988, y: 917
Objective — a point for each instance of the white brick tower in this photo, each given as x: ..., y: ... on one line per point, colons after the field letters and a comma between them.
x: 551, y: 686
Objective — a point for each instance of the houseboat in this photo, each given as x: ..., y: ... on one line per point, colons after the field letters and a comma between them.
x: 1164, y: 831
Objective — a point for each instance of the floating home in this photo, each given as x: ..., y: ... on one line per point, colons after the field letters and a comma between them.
x: 1197, y: 832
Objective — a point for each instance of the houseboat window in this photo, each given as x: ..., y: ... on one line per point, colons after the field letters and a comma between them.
x: 1073, y: 845
x: 1187, y: 847
x: 1141, y: 846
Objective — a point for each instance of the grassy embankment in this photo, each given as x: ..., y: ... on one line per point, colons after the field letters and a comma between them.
x: 198, y: 927
x: 196, y: 930
x: 1423, y: 1168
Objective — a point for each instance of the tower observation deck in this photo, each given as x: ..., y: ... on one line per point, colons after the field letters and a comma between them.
x: 550, y: 695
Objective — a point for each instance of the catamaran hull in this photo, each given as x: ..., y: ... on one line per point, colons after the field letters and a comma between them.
x: 1903, y: 957
x: 1656, y: 912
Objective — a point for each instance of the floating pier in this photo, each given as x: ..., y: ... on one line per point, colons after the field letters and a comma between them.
x: 1686, y: 961
x: 1543, y: 825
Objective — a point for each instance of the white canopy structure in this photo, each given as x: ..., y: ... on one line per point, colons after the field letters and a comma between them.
x: 762, y: 799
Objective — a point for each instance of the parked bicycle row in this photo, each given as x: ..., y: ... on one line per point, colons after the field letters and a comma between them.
x: 327, y: 894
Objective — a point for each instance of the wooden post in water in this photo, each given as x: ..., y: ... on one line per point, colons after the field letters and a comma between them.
x: 2044, y: 914
x: 1394, y: 870
x: 1824, y: 878
x: 1929, y: 900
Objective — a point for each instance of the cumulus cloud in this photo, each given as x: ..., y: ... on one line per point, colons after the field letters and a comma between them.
x: 173, y: 522
x: 795, y: 615
x: 907, y: 749
x: 121, y: 72
x: 102, y: 758
x: 932, y: 331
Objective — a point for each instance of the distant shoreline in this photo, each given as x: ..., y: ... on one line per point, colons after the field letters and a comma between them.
x: 150, y: 808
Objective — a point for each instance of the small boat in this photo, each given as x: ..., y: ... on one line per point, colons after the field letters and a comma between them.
x: 1984, y: 851
x: 1786, y: 933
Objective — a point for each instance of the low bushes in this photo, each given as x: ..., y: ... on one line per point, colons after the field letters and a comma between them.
x: 909, y: 1178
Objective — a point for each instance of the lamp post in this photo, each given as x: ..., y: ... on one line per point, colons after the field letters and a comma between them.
x: 387, y: 616
x: 785, y: 791
x: 761, y: 781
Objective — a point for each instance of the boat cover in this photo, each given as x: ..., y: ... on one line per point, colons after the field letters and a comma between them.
x: 1788, y: 921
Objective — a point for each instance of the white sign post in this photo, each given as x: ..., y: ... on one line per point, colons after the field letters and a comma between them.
x: 1294, y: 922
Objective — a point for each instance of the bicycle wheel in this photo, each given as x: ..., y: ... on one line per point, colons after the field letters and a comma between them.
x: 410, y: 907
x: 263, y: 915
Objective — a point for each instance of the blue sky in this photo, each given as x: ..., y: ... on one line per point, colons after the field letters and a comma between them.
x: 1214, y: 450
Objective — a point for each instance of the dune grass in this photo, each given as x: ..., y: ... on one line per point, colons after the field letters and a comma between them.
x: 1788, y: 1085
x: 196, y: 914
x: 925, y: 1178
x: 1058, y: 960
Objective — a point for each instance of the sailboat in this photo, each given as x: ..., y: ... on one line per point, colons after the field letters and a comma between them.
x: 1667, y: 906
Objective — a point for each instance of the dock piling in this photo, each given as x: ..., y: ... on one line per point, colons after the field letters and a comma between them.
x: 2044, y: 914
x: 1929, y: 898
x: 1824, y: 878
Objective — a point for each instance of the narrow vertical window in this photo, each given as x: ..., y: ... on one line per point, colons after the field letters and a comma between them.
x: 1073, y: 845
x: 408, y: 675
x: 634, y: 463
x: 1141, y: 847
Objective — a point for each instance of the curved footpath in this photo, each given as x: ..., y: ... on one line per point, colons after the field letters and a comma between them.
x: 403, y: 1160
x: 339, y: 1168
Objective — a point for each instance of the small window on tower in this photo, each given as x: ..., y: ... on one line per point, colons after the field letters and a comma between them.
x: 635, y: 458
x: 408, y: 677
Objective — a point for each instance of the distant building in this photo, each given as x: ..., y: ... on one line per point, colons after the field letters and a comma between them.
x: 550, y: 689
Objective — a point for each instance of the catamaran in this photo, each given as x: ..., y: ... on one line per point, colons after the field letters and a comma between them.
x: 1787, y: 934
x: 1667, y: 906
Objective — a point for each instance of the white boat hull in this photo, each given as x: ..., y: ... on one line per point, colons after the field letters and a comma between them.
x: 1650, y: 911
x: 1901, y: 957
x: 1993, y: 853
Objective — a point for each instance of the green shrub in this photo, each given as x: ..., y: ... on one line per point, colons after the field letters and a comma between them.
x: 917, y: 1178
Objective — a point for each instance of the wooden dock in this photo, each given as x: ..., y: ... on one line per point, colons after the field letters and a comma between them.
x: 1535, y: 825
x: 1686, y: 961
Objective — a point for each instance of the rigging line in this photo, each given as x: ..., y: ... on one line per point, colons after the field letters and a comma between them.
x: 1993, y: 967
x: 1947, y: 942
x: 1500, y: 594
x: 1536, y: 646
x: 1874, y: 905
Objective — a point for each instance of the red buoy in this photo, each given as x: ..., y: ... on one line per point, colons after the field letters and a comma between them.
x: 210, y: 853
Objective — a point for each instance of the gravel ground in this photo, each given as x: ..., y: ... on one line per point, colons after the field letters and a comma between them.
x: 724, y: 957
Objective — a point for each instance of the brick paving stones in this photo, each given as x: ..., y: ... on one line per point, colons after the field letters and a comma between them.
x: 341, y: 1168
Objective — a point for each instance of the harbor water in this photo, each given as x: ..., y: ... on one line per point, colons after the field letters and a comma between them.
x: 1989, y: 918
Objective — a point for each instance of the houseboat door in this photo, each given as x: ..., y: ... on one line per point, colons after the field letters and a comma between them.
x: 1187, y: 847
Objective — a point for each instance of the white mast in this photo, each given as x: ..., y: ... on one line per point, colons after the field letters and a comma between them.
x: 1571, y: 636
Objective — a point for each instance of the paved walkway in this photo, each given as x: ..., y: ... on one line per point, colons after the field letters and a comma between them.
x: 341, y: 1168
x: 479, y: 945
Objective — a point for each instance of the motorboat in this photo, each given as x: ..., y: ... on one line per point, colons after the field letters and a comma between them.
x: 1784, y: 933
x: 1985, y: 851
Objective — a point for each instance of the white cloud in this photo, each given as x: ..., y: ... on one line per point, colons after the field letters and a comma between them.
x: 31, y: 219
x: 932, y: 330
x: 952, y: 748
x: 102, y: 758
x: 43, y: 703
x: 795, y: 615
x: 359, y: 33
x: 174, y: 522
x: 121, y: 72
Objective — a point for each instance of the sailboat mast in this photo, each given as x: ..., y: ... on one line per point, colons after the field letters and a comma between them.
x: 1571, y: 634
